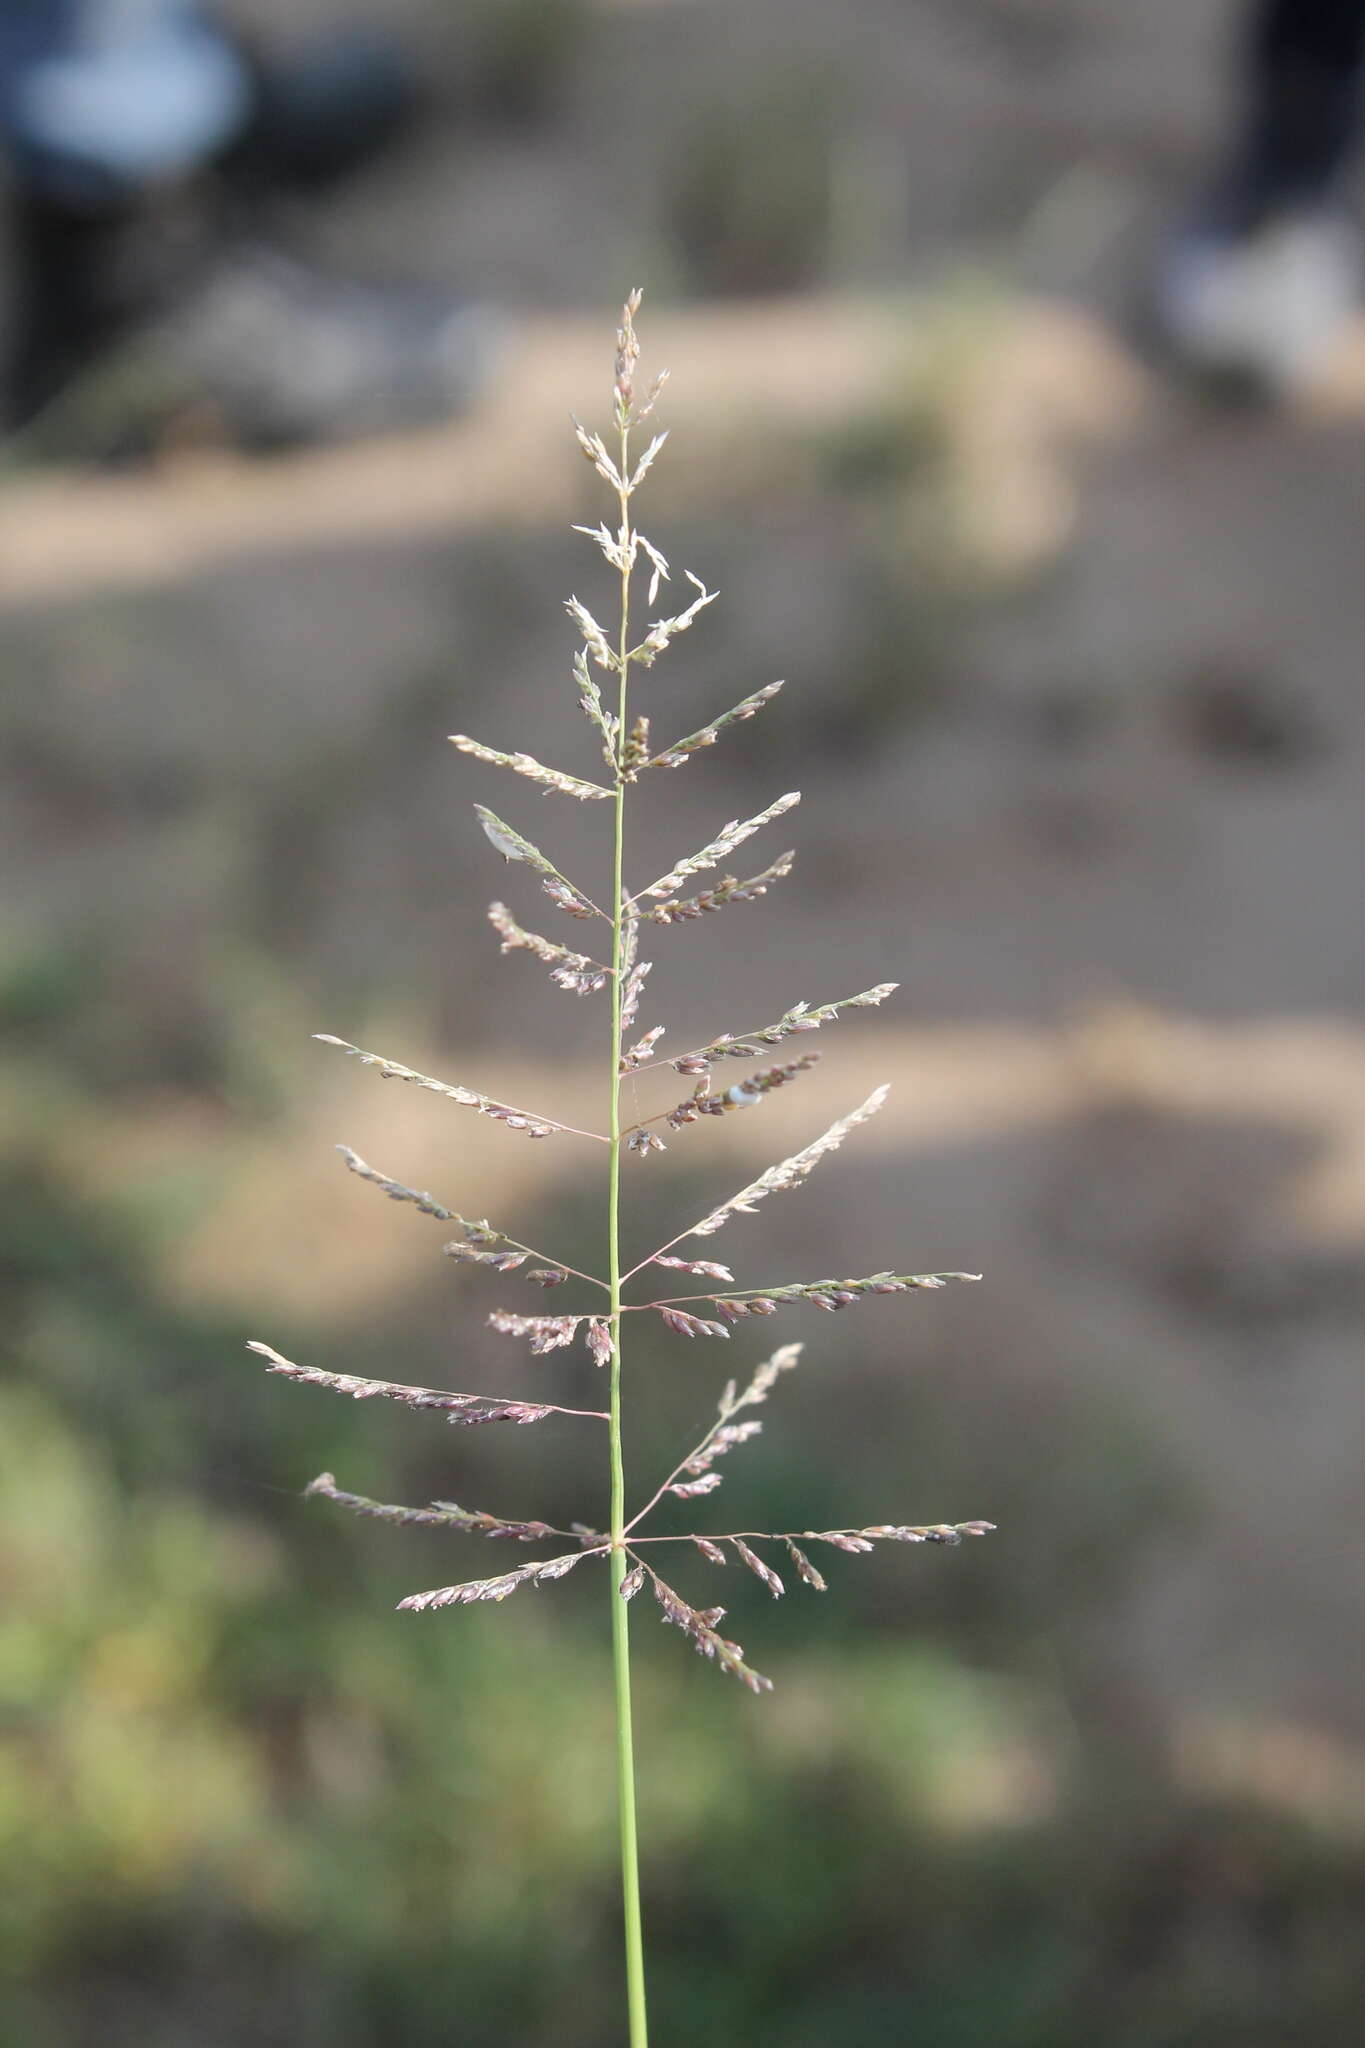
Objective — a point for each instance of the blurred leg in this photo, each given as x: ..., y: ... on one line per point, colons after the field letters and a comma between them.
x: 1306, y: 66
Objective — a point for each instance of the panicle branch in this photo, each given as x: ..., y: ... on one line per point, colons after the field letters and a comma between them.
x: 462, y: 1409
x: 498, y: 1589
x: 830, y: 1295
x: 501, y: 1112
x: 512, y: 846
x: 800, y: 1017
x: 569, y: 970
x: 707, y: 735
x: 729, y: 890
x: 699, y: 1626
x: 727, y: 839
x: 535, y: 771
x: 442, y: 1514
x: 789, y: 1173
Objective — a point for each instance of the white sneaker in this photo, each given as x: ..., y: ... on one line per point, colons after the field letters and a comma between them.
x: 1266, y: 306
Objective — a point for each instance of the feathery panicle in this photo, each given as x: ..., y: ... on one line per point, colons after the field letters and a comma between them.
x: 443, y: 1514
x: 501, y: 1112
x: 628, y: 750
x: 569, y: 970
x: 512, y: 846
x: 533, y: 770
x: 699, y: 1626
x: 728, y: 890
x: 728, y: 838
x: 801, y: 1017
x: 497, y: 1589
x: 458, y: 1408
x: 707, y: 735
x: 789, y: 1173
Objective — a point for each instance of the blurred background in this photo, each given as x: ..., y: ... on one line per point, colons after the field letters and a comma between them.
x: 1073, y: 690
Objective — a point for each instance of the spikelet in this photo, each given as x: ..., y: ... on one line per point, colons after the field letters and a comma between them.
x: 684, y: 1325
x: 720, y: 848
x: 527, y: 765
x: 790, y: 1173
x: 805, y: 1570
x: 757, y: 1566
x: 707, y: 1267
x: 544, y: 1333
x: 458, y: 1408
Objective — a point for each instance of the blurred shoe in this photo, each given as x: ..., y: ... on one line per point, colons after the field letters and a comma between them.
x: 283, y: 351
x: 1260, y: 302
x: 258, y: 346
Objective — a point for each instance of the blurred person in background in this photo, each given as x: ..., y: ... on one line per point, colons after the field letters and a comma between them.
x: 146, y: 143
x: 1264, y: 273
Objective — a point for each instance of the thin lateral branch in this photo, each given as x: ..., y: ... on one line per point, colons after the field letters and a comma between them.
x: 533, y: 770
x: 463, y: 1409
x: 577, y: 972
x: 765, y: 1378
x: 594, y: 710
x: 479, y: 1236
x: 507, y: 841
x: 729, y: 890
x: 729, y: 837
x: 789, y: 1173
x: 753, y: 1044
x: 501, y: 1112
x: 950, y: 1533
x: 442, y: 1514
x: 707, y: 735
x: 664, y: 630
x: 699, y: 1626
x: 497, y: 1590
x: 743, y: 1095
x: 830, y: 1295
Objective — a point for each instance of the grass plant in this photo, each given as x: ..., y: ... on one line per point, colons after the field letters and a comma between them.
x: 632, y: 1553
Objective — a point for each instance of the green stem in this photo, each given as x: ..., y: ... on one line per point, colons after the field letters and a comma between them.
x: 620, y: 1612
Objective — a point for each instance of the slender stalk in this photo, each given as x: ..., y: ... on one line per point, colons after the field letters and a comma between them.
x: 620, y: 1611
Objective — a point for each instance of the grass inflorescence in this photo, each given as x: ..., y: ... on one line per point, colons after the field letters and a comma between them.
x: 627, y: 1547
